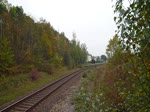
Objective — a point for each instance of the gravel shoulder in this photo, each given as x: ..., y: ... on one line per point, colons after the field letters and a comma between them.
x: 65, y: 105
x: 60, y: 100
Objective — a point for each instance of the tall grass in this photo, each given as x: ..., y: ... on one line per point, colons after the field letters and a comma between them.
x: 96, y: 92
x: 14, y: 86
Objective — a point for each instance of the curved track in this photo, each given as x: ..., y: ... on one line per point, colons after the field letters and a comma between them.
x: 29, y: 102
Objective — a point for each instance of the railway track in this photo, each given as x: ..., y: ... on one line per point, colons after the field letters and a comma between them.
x: 28, y: 103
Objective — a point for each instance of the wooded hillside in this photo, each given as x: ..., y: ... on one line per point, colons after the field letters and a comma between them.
x: 26, y: 44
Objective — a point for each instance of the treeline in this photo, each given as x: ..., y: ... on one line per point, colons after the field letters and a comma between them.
x: 26, y: 44
x: 129, y: 57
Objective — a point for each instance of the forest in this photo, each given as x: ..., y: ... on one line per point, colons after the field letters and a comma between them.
x: 26, y: 44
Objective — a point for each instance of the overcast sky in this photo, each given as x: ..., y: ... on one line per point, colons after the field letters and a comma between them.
x: 91, y: 20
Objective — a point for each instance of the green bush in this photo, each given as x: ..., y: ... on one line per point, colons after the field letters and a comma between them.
x: 91, y: 97
x: 11, y: 81
x: 46, y: 67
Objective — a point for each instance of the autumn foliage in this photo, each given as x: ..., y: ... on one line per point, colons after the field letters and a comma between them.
x: 27, y: 44
x: 129, y: 56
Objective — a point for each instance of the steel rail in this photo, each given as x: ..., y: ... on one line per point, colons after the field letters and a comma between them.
x: 29, y: 102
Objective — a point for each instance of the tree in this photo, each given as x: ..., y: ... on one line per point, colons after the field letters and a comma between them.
x: 134, y: 35
x: 78, y: 52
x: 113, y: 47
x: 98, y: 59
x: 6, y: 56
x: 103, y: 58
x: 35, y: 44
x: 115, y: 52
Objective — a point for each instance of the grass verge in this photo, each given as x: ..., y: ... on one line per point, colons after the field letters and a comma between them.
x: 12, y: 87
x: 93, y: 92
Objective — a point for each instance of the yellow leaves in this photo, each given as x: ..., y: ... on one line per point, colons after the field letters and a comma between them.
x: 47, y: 43
x: 58, y: 61
x: 28, y: 56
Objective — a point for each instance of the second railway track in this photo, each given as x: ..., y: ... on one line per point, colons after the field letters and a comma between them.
x: 28, y: 103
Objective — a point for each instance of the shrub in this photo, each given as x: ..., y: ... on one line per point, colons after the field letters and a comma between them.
x: 34, y: 75
x: 84, y: 75
x: 46, y: 67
